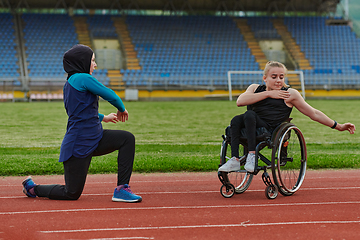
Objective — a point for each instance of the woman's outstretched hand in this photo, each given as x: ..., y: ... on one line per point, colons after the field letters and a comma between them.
x: 122, y: 116
x: 112, y: 117
x: 116, y: 117
x: 346, y: 126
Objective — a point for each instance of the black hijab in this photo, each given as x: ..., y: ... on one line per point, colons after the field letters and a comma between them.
x: 77, y: 59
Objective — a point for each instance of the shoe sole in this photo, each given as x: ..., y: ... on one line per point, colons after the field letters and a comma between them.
x: 123, y: 200
x: 252, y: 170
x: 23, y: 182
x: 237, y: 170
x: 228, y: 170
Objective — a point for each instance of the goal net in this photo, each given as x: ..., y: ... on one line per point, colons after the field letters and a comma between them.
x: 242, y: 79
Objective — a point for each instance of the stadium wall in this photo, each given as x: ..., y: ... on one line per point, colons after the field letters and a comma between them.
x: 162, y: 95
x: 172, y: 95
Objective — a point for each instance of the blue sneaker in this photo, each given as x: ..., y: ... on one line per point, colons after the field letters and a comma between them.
x: 28, y: 184
x: 124, y: 194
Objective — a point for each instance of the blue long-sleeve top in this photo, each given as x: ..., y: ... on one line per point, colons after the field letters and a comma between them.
x: 84, y: 129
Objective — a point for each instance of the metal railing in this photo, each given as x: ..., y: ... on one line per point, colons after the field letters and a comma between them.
x: 202, y: 82
x: 210, y: 82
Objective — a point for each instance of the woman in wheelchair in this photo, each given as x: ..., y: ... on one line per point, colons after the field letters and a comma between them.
x: 268, y: 106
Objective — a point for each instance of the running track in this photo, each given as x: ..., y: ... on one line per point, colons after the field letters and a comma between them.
x: 186, y: 206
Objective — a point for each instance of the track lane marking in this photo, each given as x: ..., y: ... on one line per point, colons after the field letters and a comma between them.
x: 177, y: 207
x: 180, y: 180
x: 199, y: 192
x: 244, y: 224
x: 121, y: 238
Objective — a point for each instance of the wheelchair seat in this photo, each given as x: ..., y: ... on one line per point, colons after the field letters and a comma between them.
x: 261, y: 134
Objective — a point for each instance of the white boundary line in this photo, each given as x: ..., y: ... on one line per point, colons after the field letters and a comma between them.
x: 182, y: 180
x: 355, y: 171
x: 121, y: 238
x: 177, y: 207
x: 186, y: 180
x: 198, y: 192
x: 245, y: 224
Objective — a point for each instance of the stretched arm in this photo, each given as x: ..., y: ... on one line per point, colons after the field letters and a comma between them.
x: 109, y: 95
x: 316, y: 115
x: 91, y: 84
x: 250, y: 97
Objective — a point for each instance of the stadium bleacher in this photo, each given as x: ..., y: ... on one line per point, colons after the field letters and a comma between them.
x: 333, y: 51
x: 101, y: 26
x: 47, y: 37
x: 9, y: 74
x: 177, y: 51
x: 174, y: 49
x: 263, y: 28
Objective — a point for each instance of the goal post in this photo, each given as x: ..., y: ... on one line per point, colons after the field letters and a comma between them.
x: 245, y: 78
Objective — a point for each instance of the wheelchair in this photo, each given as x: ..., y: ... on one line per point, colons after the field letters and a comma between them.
x: 285, y: 155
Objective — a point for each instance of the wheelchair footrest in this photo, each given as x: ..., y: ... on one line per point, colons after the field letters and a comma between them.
x: 266, y: 179
x: 223, y: 178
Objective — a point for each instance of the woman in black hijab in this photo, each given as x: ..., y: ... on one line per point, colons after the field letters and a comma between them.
x: 85, y: 136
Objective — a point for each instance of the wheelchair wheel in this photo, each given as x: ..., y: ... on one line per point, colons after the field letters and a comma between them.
x: 241, y: 180
x: 227, y: 191
x: 289, y: 159
x: 271, y: 192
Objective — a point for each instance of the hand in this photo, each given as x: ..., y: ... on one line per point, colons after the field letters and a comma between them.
x: 279, y: 94
x: 123, y: 116
x: 346, y: 126
x: 112, y: 117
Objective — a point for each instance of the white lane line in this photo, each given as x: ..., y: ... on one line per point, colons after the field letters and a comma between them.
x: 179, y: 207
x: 113, y: 182
x: 122, y: 238
x: 245, y: 224
x: 211, y: 191
x: 199, y: 192
x: 180, y: 180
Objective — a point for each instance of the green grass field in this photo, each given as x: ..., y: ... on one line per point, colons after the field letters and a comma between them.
x: 170, y: 136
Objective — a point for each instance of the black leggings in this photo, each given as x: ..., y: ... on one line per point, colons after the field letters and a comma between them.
x: 250, y: 121
x: 76, y: 169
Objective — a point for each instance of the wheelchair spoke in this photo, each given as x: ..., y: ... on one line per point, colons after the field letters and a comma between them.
x: 240, y: 180
x: 290, y: 160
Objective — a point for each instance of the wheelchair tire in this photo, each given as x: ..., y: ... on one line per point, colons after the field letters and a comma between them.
x: 241, y: 180
x: 227, y: 191
x: 288, y: 159
x: 271, y: 192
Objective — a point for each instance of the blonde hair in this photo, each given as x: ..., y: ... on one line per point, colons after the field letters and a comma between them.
x: 272, y: 64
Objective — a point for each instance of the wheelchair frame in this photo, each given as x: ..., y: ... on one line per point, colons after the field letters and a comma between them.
x: 286, y: 179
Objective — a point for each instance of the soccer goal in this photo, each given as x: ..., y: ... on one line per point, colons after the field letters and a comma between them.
x: 242, y: 79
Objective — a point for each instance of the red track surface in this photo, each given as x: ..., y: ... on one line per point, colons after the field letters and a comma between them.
x: 186, y: 206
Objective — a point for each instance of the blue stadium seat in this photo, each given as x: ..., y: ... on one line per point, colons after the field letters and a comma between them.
x: 331, y: 49
x: 9, y: 74
x: 188, y: 45
x: 101, y: 26
x: 45, y: 46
